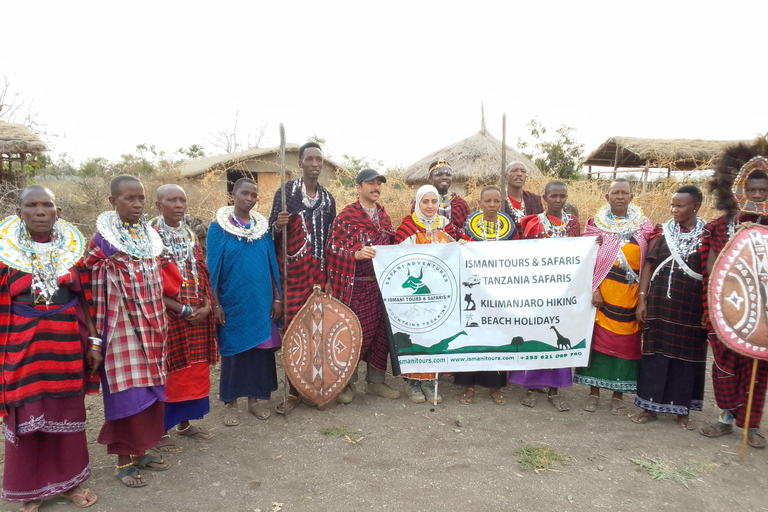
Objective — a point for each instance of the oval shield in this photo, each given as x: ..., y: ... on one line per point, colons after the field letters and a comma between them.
x: 738, y: 293
x: 321, y: 347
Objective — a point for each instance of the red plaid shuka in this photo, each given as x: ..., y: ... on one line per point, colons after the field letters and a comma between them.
x: 351, y: 231
x: 130, y: 315
x: 187, y: 343
x: 42, y: 348
x: 408, y: 228
x: 731, y: 371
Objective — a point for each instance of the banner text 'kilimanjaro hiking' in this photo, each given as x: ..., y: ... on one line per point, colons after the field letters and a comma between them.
x: 506, y: 305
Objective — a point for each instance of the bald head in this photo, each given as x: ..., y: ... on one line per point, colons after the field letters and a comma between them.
x: 36, y: 190
x: 169, y: 188
x: 172, y: 203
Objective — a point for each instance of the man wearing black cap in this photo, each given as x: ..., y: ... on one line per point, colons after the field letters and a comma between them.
x: 357, y: 228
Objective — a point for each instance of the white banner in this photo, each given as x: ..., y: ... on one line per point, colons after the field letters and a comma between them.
x: 509, y: 305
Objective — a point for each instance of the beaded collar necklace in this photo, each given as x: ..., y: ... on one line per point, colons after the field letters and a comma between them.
x: 229, y: 222
x: 496, y: 230
x: 686, y: 243
x: 179, y: 243
x: 552, y: 230
x: 517, y: 213
x: 138, y: 240
x: 624, y: 227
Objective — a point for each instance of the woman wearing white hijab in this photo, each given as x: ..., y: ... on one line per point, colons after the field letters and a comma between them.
x: 425, y: 226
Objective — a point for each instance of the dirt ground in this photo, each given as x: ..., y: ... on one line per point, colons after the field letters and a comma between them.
x: 397, y: 455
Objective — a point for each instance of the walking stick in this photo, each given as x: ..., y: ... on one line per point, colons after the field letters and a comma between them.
x: 504, y: 153
x: 284, y: 239
x: 749, y: 410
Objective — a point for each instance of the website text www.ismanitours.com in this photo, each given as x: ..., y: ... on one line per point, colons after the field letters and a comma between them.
x: 464, y: 359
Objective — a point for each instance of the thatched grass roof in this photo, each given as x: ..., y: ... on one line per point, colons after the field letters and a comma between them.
x: 676, y: 154
x: 226, y: 161
x: 478, y: 156
x: 17, y: 138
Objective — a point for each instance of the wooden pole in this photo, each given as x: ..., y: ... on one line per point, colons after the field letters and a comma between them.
x: 749, y: 410
x: 645, y: 174
x: 284, y: 240
x: 615, y: 161
x: 504, y: 154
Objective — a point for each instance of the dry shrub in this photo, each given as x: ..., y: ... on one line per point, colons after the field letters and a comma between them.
x: 83, y: 200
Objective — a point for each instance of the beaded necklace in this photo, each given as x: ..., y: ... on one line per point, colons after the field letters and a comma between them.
x: 518, y: 213
x: 624, y: 228
x: 179, y: 243
x: 445, y: 206
x: 686, y: 243
x: 230, y: 223
x: 493, y: 228
x: 43, y: 259
x: 553, y: 231
x: 373, y: 213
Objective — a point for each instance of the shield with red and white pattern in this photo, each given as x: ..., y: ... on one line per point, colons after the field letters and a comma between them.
x: 321, y: 348
x: 738, y: 292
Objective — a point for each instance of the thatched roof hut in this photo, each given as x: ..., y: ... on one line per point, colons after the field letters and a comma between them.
x: 672, y: 154
x: 476, y: 157
x: 260, y: 164
x: 16, y: 142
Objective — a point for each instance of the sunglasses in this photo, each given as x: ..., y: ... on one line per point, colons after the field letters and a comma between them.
x: 442, y: 173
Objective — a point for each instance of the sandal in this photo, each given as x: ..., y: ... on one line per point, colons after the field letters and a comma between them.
x: 755, y: 438
x: 717, y: 429
x: 644, y: 417
x: 130, y: 471
x: 157, y: 463
x: 166, y: 445
x: 288, y: 404
x: 84, y: 500
x: 558, y: 402
x: 685, y: 423
x: 32, y: 508
x: 529, y: 400
x: 194, y: 432
x: 617, y: 407
x: 591, y: 403
x: 497, y: 397
x: 468, y: 397
x: 260, y: 412
x: 231, y: 417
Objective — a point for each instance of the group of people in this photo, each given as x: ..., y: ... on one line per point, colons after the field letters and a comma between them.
x: 141, y: 310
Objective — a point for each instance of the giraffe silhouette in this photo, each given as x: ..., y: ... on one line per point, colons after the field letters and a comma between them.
x: 562, y: 341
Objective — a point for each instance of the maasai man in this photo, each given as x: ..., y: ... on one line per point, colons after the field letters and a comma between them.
x: 451, y: 205
x: 246, y: 296
x: 310, y: 212
x: 518, y: 202
x: 128, y: 288
x: 47, y: 360
x: 731, y: 371
x: 553, y: 223
x: 425, y: 226
x: 192, y: 328
x: 674, y: 349
x: 615, y: 357
x: 486, y: 225
x: 359, y: 226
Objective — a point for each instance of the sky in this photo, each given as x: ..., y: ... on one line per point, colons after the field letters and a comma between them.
x: 391, y: 81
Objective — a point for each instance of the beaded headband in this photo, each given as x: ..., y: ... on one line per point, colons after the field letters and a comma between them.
x: 439, y: 163
x: 758, y: 163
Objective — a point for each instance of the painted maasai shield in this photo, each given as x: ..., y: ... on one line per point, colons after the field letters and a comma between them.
x: 738, y: 292
x: 321, y: 347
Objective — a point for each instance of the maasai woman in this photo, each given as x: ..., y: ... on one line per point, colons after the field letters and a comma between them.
x: 128, y: 280
x: 246, y: 297
x: 674, y: 346
x: 46, y: 356
x: 553, y: 223
x: 425, y: 226
x: 615, y: 354
x: 740, y: 187
x: 486, y: 225
x: 191, y: 346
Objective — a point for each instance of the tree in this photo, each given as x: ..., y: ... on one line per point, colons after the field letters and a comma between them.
x: 558, y: 158
x: 230, y: 141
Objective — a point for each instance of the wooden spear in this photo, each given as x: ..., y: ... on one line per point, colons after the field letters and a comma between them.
x: 284, y: 238
x: 749, y: 411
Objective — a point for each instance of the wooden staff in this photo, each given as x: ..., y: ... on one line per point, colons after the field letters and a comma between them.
x: 284, y: 282
x: 503, y: 154
x: 749, y: 410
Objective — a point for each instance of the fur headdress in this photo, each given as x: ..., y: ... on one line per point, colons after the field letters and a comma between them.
x: 727, y: 170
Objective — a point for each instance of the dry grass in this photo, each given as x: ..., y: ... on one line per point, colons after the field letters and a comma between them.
x: 82, y: 201
x: 538, y: 458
